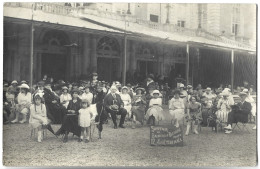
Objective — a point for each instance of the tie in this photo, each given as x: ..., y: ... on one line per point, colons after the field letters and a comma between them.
x: 114, y: 95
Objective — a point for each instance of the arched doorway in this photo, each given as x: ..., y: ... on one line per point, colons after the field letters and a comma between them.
x: 108, y: 59
x: 54, y: 55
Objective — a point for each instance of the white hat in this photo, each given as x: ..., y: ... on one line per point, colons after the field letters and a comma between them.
x: 156, y: 92
x: 225, y: 93
x: 242, y: 93
x: 208, y: 88
x: 39, y: 94
x: 24, y: 86
x: 181, y: 85
x: 13, y: 82
x: 64, y: 88
x: 245, y: 90
x: 226, y: 90
x: 124, y: 88
x: 113, y: 87
x: 189, y: 86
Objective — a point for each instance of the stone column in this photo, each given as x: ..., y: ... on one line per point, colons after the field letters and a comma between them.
x: 93, y: 54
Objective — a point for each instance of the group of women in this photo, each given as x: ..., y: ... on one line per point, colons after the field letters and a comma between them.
x: 143, y: 104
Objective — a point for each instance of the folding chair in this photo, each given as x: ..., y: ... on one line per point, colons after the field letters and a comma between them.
x: 241, y: 127
x: 44, y: 132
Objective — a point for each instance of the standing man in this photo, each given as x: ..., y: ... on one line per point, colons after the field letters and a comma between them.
x: 149, y: 83
x: 115, y: 106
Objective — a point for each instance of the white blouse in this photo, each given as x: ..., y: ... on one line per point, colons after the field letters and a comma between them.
x: 24, y: 99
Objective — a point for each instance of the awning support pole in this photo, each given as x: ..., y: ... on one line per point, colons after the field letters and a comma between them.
x: 31, y: 52
x: 232, y: 70
x: 187, y: 63
x: 124, y: 65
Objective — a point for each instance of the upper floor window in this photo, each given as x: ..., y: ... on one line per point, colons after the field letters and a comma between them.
x: 235, y: 27
x: 181, y: 23
x: 154, y: 18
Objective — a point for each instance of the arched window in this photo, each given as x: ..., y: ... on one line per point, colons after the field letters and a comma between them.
x: 108, y: 46
x: 55, y: 38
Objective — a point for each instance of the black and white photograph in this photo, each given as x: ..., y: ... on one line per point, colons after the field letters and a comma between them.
x: 129, y: 84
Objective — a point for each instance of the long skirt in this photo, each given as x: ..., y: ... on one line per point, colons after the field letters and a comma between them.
x: 56, y: 113
x: 139, y: 112
x: 156, y: 111
x: 177, y: 114
x: 70, y: 124
x: 222, y: 116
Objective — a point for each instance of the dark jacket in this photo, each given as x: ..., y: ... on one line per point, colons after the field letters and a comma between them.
x: 110, y: 100
x: 245, y: 107
x: 74, y: 106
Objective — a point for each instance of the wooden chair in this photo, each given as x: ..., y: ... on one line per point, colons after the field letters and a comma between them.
x: 44, y: 132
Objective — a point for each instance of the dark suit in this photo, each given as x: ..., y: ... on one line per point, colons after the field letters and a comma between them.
x: 239, y: 113
x: 110, y: 100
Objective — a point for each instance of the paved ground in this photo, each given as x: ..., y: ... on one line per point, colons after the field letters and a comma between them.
x: 128, y: 147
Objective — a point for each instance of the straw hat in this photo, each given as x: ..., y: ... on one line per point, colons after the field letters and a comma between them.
x: 208, y: 89
x: 24, y: 86
x: 139, y: 88
x: 124, y: 88
x: 225, y: 93
x: 64, y: 88
x: 156, y: 92
x: 14, y: 82
x: 181, y: 85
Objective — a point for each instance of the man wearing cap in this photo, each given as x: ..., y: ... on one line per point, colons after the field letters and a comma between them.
x: 115, y: 106
x: 239, y: 112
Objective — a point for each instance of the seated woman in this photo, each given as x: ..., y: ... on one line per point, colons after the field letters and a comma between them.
x: 138, y: 106
x: 70, y: 121
x: 9, y: 105
x: 224, y: 107
x: 155, y: 110
x: 24, y: 103
x: 38, y: 116
x: 176, y: 108
x: 127, y: 101
x: 193, y: 115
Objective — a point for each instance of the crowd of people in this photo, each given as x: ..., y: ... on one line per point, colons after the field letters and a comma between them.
x: 80, y: 106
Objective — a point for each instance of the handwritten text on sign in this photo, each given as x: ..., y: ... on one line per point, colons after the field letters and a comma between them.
x: 166, y: 136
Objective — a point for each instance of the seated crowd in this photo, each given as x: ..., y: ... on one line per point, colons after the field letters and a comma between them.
x: 80, y: 106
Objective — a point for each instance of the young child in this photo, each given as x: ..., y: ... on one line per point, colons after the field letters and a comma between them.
x: 38, y: 115
x: 85, y: 118
x: 65, y: 97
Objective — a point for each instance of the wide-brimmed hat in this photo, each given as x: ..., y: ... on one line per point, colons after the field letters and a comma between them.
x: 24, y: 86
x: 41, y: 83
x: 113, y: 87
x: 140, y: 88
x: 23, y: 81
x: 81, y: 88
x: 225, y: 93
x: 94, y: 74
x: 125, y: 87
x: 85, y: 101
x: 208, y: 89
x: 64, y: 88
x: 14, y: 82
x: 75, y: 91
x: 181, y: 85
x: 242, y: 93
x: 40, y: 94
x: 189, y: 86
x: 156, y: 92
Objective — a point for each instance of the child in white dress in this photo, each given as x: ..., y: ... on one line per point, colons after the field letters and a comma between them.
x: 127, y: 101
x: 86, y: 117
x: 65, y: 97
x: 87, y: 95
x: 38, y: 116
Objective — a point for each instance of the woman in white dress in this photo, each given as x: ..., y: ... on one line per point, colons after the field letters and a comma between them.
x: 224, y: 106
x: 65, y: 97
x: 155, y: 107
x: 24, y: 103
x: 126, y: 98
x: 176, y: 108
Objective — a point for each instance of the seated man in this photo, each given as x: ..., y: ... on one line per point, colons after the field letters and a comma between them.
x: 239, y: 112
x: 115, y: 106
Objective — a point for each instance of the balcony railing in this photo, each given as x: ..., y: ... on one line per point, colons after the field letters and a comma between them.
x: 60, y: 9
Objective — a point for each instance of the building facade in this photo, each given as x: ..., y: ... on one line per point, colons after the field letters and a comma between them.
x: 65, y: 51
